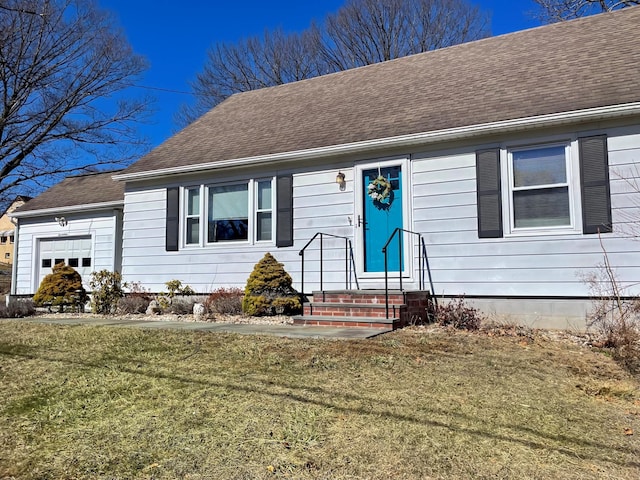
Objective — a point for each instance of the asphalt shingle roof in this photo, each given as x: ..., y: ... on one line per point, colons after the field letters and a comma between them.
x: 584, y: 63
x: 77, y: 191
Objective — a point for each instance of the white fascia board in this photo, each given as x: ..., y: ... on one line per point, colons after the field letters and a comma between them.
x: 458, y: 133
x: 70, y: 209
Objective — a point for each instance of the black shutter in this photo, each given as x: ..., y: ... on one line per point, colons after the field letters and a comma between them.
x: 284, y: 211
x: 489, y: 193
x: 173, y: 219
x: 594, y: 184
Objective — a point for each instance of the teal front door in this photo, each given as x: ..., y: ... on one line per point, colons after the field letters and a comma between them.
x: 382, y: 214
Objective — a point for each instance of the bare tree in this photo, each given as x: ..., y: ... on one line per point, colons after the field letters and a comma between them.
x: 559, y: 10
x: 63, y: 66
x: 257, y: 62
x: 362, y: 32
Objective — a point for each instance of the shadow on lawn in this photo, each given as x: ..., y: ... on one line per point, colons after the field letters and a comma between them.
x: 268, y: 388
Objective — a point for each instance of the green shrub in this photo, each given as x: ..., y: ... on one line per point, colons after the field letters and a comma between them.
x: 269, y: 291
x: 175, y: 287
x: 106, y: 291
x: 225, y: 301
x: 61, y: 287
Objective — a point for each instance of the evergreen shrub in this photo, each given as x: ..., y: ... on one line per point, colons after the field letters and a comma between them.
x: 269, y: 290
x: 61, y: 287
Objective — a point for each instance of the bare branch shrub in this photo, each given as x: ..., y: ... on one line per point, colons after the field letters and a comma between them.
x: 456, y: 314
x: 225, y: 301
x: 136, y: 300
x: 615, y: 315
x: 18, y: 309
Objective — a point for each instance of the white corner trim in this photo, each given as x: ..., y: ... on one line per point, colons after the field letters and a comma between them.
x: 69, y: 209
x: 422, y: 138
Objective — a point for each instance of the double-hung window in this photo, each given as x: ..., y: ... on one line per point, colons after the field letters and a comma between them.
x: 192, y: 215
x: 264, y: 210
x: 540, y: 191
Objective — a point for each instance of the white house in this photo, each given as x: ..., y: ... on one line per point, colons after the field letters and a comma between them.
x: 513, y: 157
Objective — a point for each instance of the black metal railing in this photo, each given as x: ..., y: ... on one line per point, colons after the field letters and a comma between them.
x: 423, y: 263
x: 349, y: 262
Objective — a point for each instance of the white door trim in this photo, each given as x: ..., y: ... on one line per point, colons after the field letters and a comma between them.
x: 358, y: 233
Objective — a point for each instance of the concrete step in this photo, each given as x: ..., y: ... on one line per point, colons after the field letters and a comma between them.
x: 330, y: 309
x: 358, y: 296
x: 342, y: 321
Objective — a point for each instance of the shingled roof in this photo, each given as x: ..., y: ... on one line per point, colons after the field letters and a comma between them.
x: 581, y: 64
x: 80, y: 190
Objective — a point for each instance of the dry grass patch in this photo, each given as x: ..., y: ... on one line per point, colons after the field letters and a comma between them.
x: 95, y: 402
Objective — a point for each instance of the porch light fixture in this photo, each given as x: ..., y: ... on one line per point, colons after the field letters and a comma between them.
x: 341, y: 181
x: 61, y: 221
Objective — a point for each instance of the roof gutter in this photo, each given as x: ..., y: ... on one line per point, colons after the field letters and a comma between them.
x: 457, y: 133
x: 68, y: 209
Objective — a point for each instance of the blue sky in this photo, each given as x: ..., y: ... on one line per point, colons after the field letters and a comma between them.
x: 174, y: 37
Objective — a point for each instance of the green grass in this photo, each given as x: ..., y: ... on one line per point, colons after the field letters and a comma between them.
x: 95, y: 402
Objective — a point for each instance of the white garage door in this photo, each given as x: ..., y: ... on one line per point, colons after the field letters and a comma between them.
x: 73, y: 251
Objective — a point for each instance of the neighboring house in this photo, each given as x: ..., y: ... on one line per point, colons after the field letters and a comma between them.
x: 508, y: 155
x: 7, y: 229
x: 78, y: 221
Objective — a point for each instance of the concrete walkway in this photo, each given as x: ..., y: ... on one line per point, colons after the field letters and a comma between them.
x: 291, y: 331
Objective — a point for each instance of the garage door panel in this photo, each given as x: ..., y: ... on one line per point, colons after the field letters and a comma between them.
x: 73, y: 251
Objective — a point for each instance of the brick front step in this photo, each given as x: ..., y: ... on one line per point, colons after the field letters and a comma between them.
x: 330, y: 309
x: 326, y: 321
x: 364, y: 308
x: 359, y: 296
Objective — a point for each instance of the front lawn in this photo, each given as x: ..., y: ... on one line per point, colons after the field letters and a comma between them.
x: 95, y: 402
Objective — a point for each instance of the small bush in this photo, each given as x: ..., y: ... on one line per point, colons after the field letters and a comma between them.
x: 17, y: 309
x: 456, y: 314
x: 136, y: 300
x: 61, y: 287
x: 132, y: 304
x: 225, y: 301
x: 106, y: 291
x: 175, y: 287
x: 269, y: 290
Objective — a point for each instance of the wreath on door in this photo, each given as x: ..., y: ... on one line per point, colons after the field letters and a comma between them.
x: 379, y: 189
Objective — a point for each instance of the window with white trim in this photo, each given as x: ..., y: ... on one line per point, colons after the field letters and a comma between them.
x: 553, y: 188
x: 228, y: 207
x: 264, y: 210
x: 228, y: 212
x: 540, y: 189
x: 192, y: 215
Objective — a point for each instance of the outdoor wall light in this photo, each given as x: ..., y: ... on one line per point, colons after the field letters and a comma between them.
x: 341, y: 181
x: 61, y: 221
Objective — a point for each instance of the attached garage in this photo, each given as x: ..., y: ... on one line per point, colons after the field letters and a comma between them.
x: 78, y: 222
